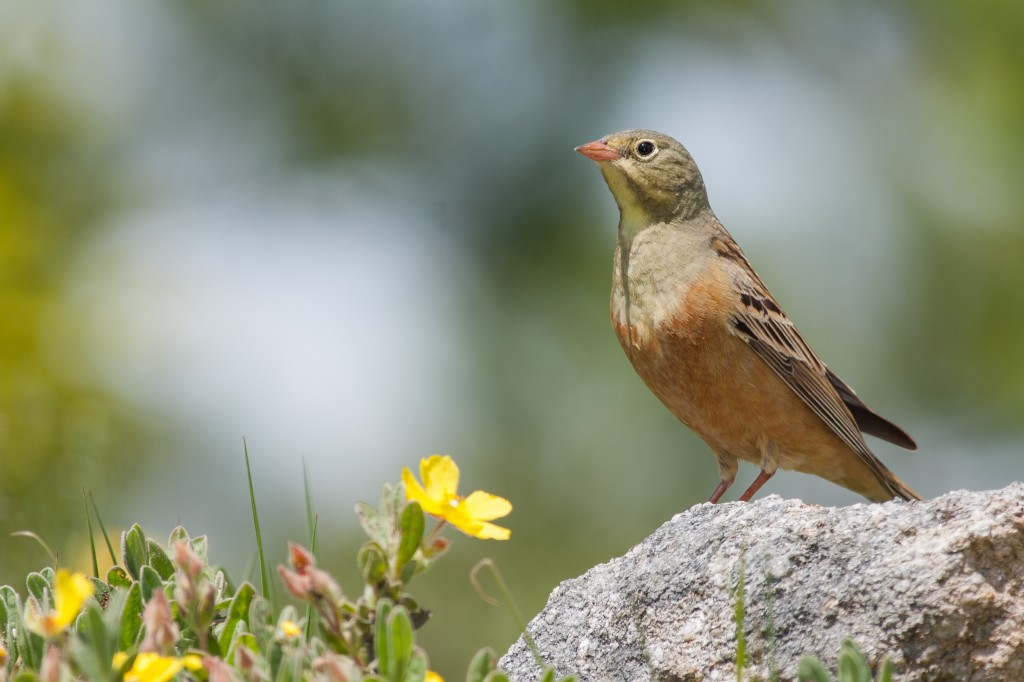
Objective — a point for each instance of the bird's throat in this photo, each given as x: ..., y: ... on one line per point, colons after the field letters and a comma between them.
x: 633, y: 219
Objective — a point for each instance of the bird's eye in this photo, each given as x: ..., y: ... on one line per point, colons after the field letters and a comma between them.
x: 645, y: 148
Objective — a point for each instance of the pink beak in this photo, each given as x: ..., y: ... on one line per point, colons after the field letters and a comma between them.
x: 598, y: 151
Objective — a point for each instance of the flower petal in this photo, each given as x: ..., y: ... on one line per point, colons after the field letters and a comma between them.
x: 488, y: 531
x: 440, y: 477
x: 414, y: 491
x: 151, y: 667
x: 473, y: 526
x: 70, y: 590
x: 485, y: 506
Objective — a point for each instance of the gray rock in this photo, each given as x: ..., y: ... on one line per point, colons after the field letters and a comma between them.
x: 936, y: 585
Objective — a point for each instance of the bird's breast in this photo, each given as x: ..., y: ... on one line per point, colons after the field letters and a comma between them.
x: 662, y: 280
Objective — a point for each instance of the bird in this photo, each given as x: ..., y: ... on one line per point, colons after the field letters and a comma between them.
x: 712, y: 343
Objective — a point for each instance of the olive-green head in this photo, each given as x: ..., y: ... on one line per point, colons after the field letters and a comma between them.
x: 652, y: 176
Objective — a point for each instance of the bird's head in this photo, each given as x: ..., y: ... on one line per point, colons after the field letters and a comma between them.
x: 652, y: 176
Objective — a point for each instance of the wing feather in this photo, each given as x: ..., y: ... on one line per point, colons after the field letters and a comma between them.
x: 761, y: 323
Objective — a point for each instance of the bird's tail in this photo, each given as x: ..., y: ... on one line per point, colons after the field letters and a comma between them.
x: 895, y: 486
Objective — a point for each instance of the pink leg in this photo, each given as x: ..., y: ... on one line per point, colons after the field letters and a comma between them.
x: 720, y: 490
x: 761, y: 479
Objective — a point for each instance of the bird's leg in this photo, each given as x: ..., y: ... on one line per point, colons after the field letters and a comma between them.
x: 727, y: 468
x: 720, y: 490
x: 761, y: 479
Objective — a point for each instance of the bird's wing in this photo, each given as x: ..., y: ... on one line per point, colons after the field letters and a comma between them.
x: 760, y: 322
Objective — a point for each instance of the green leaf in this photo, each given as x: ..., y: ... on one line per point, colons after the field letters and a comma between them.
x: 381, y: 641
x: 159, y: 560
x: 176, y: 536
x: 410, y: 570
x: 220, y: 584
x: 133, y: 550
x: 118, y: 577
x: 30, y: 646
x: 150, y: 582
x: 852, y: 665
x: 101, y: 591
x: 10, y: 620
x: 260, y: 611
x: 417, y: 667
x: 369, y: 519
x: 484, y: 662
x: 400, y: 644
x: 261, y: 622
x: 412, y: 532
x: 373, y: 563
x: 390, y: 511
x: 201, y: 546
x: 131, y: 618
x: 5, y: 626
x: 39, y: 587
x: 885, y: 670
x: 548, y: 675
x: 810, y: 669
x: 26, y: 676
x: 496, y: 676
x: 94, y: 647
x: 237, y: 613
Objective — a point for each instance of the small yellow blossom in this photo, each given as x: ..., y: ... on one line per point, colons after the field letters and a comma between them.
x: 439, y: 498
x: 119, y: 659
x: 193, y: 662
x: 151, y: 667
x: 431, y: 676
x: 70, y: 590
x: 290, y: 629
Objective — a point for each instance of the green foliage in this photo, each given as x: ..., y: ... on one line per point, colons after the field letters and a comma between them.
x: 853, y: 667
x: 165, y: 607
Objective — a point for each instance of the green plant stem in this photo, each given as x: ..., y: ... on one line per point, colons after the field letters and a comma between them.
x: 509, y: 602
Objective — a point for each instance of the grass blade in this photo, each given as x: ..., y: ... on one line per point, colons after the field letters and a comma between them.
x: 312, y: 616
x: 256, y: 524
x: 310, y: 516
x: 103, y: 529
x: 42, y: 543
x: 92, y: 536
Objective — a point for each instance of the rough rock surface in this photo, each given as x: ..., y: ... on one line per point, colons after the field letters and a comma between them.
x: 937, y: 585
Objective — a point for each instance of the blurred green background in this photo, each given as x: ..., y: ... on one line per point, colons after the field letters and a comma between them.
x: 356, y: 234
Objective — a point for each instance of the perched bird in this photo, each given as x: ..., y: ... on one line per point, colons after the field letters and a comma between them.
x: 710, y: 341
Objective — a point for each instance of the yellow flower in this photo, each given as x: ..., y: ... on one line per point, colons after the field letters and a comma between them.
x: 151, y: 667
x: 193, y: 662
x: 290, y: 629
x: 439, y: 498
x: 70, y: 590
x: 432, y: 677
